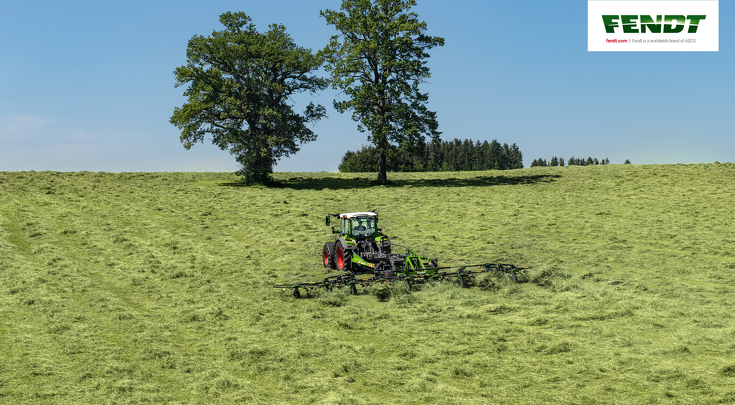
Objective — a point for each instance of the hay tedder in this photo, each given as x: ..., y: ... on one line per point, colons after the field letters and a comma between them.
x: 366, y: 256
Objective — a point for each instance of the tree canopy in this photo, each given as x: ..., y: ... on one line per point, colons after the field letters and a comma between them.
x: 240, y: 84
x: 378, y: 61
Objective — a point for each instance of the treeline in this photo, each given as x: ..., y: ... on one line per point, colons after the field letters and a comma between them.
x: 440, y: 156
x: 572, y: 162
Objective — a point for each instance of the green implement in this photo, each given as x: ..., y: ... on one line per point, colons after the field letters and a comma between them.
x: 366, y: 256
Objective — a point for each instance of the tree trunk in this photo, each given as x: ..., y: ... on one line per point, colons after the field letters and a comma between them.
x: 382, y: 175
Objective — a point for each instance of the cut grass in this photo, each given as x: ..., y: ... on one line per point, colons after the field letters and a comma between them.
x: 157, y: 287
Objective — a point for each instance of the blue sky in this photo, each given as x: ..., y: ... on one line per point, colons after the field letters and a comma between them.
x: 90, y: 86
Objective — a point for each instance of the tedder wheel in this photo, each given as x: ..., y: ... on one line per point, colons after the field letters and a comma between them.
x: 328, y: 255
x: 462, y: 282
x: 513, y: 276
x: 296, y: 293
x: 353, y: 289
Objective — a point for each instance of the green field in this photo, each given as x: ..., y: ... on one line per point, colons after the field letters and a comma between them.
x: 157, y: 288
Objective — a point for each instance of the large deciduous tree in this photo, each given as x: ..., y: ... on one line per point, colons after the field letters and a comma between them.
x: 240, y: 87
x: 378, y: 60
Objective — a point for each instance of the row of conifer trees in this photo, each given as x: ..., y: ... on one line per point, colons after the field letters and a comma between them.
x: 554, y: 161
x: 438, y: 156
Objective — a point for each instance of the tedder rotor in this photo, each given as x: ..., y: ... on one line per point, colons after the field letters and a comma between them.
x: 366, y: 256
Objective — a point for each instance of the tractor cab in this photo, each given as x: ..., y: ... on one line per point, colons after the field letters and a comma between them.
x: 358, y: 224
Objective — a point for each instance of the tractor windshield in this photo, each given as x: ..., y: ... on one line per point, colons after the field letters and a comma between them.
x: 363, y: 226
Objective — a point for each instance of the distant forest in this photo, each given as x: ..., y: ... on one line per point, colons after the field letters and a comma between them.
x: 554, y: 161
x: 441, y: 156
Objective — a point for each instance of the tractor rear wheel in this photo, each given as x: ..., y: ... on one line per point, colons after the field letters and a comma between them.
x: 385, y: 245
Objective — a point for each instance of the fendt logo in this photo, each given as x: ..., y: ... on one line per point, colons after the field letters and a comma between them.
x: 671, y: 24
x: 653, y: 25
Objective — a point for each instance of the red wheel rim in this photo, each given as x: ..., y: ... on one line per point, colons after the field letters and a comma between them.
x: 340, y: 258
x: 326, y: 258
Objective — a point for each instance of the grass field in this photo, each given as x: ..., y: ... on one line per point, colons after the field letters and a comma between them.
x: 157, y: 288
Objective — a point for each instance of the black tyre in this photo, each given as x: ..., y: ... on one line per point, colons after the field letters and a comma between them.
x: 513, y: 276
x: 328, y: 255
x: 461, y: 281
x: 343, y: 256
x: 296, y: 293
x: 353, y: 289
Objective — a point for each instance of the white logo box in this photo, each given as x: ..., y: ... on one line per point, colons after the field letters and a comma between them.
x: 707, y: 37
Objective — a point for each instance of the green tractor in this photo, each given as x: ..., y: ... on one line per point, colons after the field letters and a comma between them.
x: 360, y: 247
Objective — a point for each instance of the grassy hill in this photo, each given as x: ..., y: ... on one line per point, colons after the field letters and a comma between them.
x: 157, y: 287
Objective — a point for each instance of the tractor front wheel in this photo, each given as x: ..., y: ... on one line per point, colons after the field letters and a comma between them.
x: 344, y: 257
x: 328, y: 255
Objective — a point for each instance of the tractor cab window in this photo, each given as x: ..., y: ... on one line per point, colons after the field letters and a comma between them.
x: 344, y: 226
x: 363, y: 226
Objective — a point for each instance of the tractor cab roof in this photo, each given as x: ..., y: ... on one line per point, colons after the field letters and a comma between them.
x: 353, y: 215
